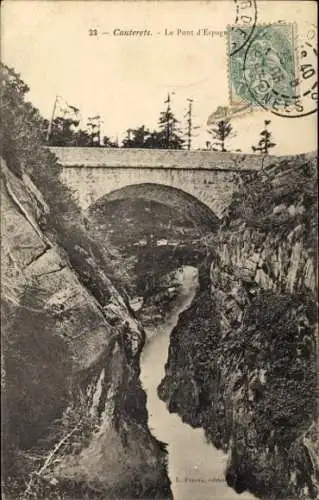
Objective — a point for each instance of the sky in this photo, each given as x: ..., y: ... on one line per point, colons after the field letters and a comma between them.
x: 126, y: 79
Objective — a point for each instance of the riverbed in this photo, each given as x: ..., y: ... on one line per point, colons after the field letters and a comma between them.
x: 196, y: 468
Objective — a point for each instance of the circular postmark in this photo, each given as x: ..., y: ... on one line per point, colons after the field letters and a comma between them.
x: 244, y: 24
x: 279, y: 76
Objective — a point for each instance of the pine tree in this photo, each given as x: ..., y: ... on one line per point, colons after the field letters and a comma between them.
x: 64, y: 132
x: 108, y: 143
x: 220, y: 134
x: 93, y: 128
x: 169, y: 135
x: 136, y: 138
x: 265, y: 143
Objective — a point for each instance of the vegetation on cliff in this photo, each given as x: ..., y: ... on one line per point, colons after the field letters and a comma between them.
x: 22, y: 149
x: 70, y: 344
x: 242, y: 360
x: 278, y: 199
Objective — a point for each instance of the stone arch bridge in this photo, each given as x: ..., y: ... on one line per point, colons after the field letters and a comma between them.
x: 203, y: 180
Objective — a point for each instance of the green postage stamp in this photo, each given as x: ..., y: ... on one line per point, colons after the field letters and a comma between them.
x: 265, y: 68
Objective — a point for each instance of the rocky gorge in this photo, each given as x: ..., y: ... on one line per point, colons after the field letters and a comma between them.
x: 242, y: 352
x: 72, y: 358
x: 242, y: 359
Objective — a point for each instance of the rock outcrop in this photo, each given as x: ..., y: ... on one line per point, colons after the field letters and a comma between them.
x: 242, y: 360
x: 76, y: 421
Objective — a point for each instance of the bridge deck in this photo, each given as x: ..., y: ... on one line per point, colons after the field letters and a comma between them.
x: 157, y: 158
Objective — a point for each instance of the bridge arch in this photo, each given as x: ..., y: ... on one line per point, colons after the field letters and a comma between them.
x: 191, y: 207
x: 207, y: 175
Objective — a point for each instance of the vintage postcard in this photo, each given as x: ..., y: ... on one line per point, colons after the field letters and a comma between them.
x: 159, y: 250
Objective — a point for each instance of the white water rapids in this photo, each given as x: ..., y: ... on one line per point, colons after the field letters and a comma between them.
x: 196, y: 468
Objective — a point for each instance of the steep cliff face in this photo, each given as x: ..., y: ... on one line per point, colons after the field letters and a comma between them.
x: 242, y: 360
x: 75, y: 417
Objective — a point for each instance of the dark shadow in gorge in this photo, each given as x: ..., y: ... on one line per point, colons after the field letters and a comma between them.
x: 151, y: 241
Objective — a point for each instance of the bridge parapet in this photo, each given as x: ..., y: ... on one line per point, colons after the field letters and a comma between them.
x: 157, y: 158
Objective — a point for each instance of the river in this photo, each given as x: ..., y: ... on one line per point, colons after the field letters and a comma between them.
x: 196, y: 468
